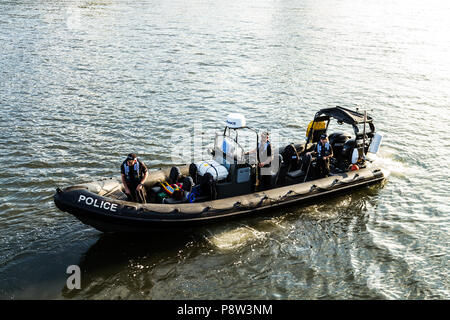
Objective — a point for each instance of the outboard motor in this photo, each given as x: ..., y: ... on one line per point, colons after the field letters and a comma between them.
x: 337, y: 141
x: 347, y: 149
x: 333, y: 136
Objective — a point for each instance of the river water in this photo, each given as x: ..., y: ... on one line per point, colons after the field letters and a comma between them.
x: 83, y: 83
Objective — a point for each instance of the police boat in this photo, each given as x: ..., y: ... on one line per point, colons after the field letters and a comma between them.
x: 229, y: 184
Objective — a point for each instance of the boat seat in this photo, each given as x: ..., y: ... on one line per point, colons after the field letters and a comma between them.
x: 155, y: 189
x: 275, y: 175
x: 295, y: 174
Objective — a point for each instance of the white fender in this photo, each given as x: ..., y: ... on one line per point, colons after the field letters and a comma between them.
x: 218, y: 171
x: 355, y: 155
x: 376, y: 142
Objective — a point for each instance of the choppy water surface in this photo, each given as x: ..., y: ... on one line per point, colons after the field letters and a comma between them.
x: 85, y: 82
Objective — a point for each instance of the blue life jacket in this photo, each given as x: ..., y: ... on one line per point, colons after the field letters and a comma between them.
x: 264, y: 153
x: 265, y: 146
x: 135, y: 175
x: 323, y: 152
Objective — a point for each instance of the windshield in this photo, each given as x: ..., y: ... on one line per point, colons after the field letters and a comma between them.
x: 227, y: 150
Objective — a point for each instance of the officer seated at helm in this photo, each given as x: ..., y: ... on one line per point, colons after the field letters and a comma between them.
x: 323, y: 152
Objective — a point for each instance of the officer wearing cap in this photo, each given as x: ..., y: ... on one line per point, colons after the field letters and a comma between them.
x: 323, y: 152
x: 134, y: 173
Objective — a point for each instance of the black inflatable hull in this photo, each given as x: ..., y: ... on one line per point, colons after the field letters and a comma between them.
x: 111, y: 215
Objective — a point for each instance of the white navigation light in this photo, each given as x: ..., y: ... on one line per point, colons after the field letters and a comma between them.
x: 355, y: 156
x: 236, y: 120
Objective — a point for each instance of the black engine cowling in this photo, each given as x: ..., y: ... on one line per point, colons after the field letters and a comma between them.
x: 347, y: 149
x: 338, y: 141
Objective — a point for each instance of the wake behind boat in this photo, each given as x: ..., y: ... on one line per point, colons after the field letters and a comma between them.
x: 229, y: 184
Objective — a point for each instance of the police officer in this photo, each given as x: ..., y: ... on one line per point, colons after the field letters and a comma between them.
x: 264, y: 149
x: 323, y: 152
x: 134, y: 173
x: 266, y: 157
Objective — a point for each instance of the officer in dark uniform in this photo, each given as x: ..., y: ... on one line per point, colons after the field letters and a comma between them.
x: 134, y: 173
x: 322, y: 153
